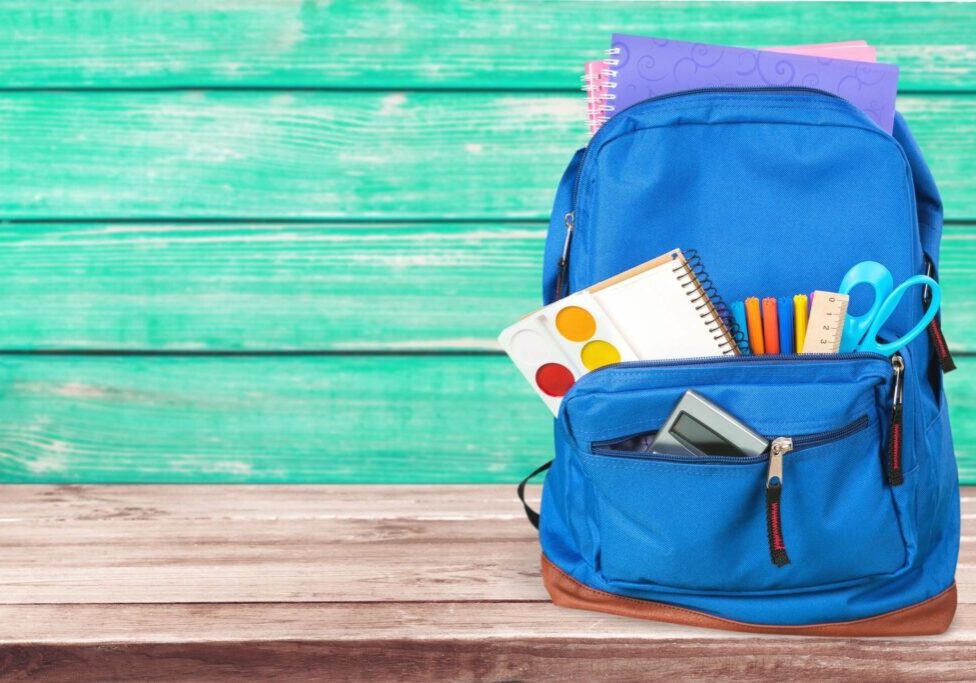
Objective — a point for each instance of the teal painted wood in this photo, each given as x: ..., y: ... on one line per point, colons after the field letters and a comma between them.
x: 957, y: 275
x: 336, y: 155
x: 300, y: 419
x: 339, y: 419
x: 447, y: 44
x: 267, y: 287
x: 248, y: 160
x: 307, y: 286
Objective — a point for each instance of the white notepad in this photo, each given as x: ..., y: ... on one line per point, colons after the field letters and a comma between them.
x: 663, y: 312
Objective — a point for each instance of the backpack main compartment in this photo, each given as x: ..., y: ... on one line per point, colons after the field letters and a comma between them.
x: 780, y: 191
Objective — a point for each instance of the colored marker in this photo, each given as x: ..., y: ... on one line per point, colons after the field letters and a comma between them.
x: 786, y: 343
x: 754, y: 320
x: 770, y: 323
x: 739, y: 316
x: 799, y: 320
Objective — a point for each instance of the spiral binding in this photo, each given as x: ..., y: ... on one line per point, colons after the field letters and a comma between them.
x: 609, y: 74
x: 597, y: 86
x: 709, y: 303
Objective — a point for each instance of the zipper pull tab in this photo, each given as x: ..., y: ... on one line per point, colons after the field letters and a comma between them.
x: 941, y: 346
x: 936, y: 338
x: 569, y: 219
x: 774, y: 490
x: 893, y: 460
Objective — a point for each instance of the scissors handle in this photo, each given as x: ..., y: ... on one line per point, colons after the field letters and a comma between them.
x: 879, y: 278
x: 870, y: 342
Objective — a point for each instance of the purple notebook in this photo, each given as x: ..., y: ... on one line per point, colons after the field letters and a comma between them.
x: 651, y: 66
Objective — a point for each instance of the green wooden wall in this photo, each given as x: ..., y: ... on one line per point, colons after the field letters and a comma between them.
x: 274, y: 241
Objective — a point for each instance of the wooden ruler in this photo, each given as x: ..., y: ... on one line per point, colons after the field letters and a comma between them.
x: 826, y: 324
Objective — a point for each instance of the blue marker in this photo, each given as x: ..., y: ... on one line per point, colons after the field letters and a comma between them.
x: 786, y: 343
x: 739, y: 315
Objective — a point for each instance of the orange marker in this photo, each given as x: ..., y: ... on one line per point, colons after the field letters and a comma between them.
x: 770, y: 319
x: 754, y: 322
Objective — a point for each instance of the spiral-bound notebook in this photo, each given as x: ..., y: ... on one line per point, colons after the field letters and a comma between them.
x: 594, y: 85
x: 643, y: 67
x: 662, y: 310
x: 601, y: 100
x: 655, y: 311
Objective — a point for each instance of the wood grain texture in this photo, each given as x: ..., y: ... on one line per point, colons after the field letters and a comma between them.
x: 268, y: 287
x: 479, y: 622
x: 957, y: 275
x: 520, y: 657
x: 336, y: 155
x: 318, y: 286
x: 190, y: 604
x: 456, y: 44
x: 267, y: 419
x: 270, y: 544
x: 339, y: 419
x: 358, y: 176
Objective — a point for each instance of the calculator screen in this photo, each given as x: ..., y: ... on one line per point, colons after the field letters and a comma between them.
x: 693, y: 433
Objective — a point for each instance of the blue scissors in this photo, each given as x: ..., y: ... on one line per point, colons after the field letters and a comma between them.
x: 861, y: 331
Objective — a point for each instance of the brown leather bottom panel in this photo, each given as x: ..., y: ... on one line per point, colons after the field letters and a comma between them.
x: 929, y: 617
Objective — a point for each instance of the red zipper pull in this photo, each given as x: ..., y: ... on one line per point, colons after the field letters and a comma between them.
x: 774, y: 491
x: 941, y: 347
x: 936, y: 337
x: 893, y: 460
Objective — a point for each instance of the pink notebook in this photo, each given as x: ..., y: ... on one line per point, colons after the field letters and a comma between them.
x: 854, y: 50
x: 598, y: 94
x: 594, y: 85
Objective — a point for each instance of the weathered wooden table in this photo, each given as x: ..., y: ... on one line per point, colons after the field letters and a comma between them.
x: 360, y: 583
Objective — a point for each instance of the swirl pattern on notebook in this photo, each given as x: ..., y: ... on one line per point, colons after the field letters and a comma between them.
x: 644, y: 67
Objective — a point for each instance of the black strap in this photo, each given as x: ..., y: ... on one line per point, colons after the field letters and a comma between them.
x: 529, y: 512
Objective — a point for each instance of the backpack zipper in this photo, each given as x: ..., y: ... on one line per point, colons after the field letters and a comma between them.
x: 721, y: 360
x: 570, y: 217
x: 893, y: 461
x: 774, y: 492
x: 801, y: 442
x: 779, y: 447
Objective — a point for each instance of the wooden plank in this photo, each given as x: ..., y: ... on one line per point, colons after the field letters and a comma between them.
x: 139, y: 546
x: 272, y: 287
x: 270, y: 562
x: 962, y: 404
x: 335, y: 155
x: 342, y: 419
x: 292, y: 419
x: 285, y: 561
x: 506, y: 658
x: 456, y: 44
x: 462, y: 622
x: 28, y: 504
x: 482, y: 615
x: 266, y: 287
x: 957, y: 275
x: 267, y: 563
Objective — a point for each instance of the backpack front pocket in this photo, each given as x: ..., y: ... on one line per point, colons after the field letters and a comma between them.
x: 814, y: 510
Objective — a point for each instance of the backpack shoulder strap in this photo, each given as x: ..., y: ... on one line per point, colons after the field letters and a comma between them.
x: 529, y: 512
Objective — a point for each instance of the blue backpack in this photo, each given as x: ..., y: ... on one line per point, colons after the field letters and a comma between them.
x: 779, y: 190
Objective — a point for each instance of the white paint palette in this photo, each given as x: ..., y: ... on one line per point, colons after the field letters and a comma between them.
x: 556, y: 345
